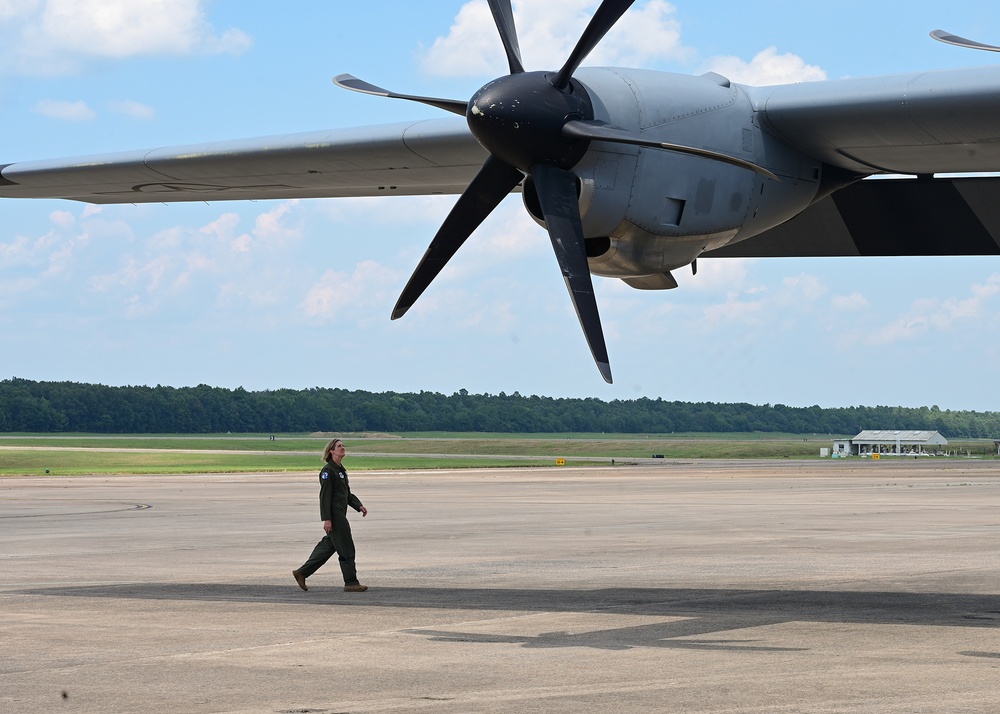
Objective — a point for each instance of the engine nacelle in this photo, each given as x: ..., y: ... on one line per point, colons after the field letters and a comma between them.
x: 647, y: 211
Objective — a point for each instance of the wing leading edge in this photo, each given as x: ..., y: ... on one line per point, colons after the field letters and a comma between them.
x: 413, y: 158
x: 946, y: 121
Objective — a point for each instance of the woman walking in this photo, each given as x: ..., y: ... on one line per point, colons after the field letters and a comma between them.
x: 334, y: 498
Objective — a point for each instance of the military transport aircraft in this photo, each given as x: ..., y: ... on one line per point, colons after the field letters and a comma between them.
x: 633, y: 173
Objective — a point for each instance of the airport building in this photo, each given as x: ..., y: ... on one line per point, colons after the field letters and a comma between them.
x: 890, y: 443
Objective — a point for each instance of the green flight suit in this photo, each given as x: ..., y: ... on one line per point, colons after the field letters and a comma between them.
x: 334, y: 498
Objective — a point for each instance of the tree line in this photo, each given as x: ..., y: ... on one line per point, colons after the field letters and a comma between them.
x: 52, y: 407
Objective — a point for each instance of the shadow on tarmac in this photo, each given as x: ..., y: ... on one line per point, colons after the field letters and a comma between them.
x: 694, y: 612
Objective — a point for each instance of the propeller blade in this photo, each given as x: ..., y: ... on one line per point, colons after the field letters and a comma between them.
x: 503, y: 15
x: 493, y: 182
x: 603, y: 20
x: 599, y: 131
x: 950, y: 39
x: 348, y: 81
x: 557, y: 196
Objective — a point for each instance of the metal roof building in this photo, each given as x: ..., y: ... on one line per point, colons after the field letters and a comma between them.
x: 890, y: 442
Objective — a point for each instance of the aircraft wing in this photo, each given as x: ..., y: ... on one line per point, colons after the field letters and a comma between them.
x: 923, y: 124
x: 919, y: 123
x: 946, y: 121
x: 887, y: 217
x: 413, y: 158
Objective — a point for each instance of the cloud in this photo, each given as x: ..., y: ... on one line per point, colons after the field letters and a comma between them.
x: 934, y: 315
x: 135, y: 110
x: 69, y: 111
x: 337, y: 292
x: 54, y: 247
x: 269, y: 226
x: 507, y: 235
x: 715, y: 274
x: 847, y: 303
x: 28, y: 266
x: 767, y: 67
x: 12, y: 292
x: 55, y: 36
x: 14, y: 9
x: 185, y: 271
x: 804, y: 287
x: 386, y: 238
x: 18, y: 251
x: 547, y: 33
x: 63, y: 219
x: 269, y: 230
x: 222, y: 227
x: 734, y: 311
x: 779, y: 306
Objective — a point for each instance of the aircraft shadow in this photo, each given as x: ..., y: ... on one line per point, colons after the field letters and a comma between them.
x: 693, y: 612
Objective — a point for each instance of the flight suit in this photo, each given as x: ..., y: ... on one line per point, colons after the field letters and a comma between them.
x: 334, y: 498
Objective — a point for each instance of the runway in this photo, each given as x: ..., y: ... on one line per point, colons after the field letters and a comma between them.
x: 835, y: 586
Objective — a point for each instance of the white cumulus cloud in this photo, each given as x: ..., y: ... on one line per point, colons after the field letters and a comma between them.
x: 854, y: 301
x: 337, y: 292
x: 133, y: 109
x: 13, y: 9
x: 804, y: 287
x: 196, y: 270
x: 547, y: 33
x: 779, y: 306
x: 935, y: 315
x: 71, y: 111
x: 55, y: 36
x: 715, y: 275
x: 766, y: 68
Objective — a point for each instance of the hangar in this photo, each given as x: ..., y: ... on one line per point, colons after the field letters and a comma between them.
x: 890, y: 443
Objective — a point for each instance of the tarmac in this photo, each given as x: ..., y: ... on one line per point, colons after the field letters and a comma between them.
x: 792, y: 586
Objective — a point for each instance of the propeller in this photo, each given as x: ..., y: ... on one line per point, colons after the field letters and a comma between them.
x: 950, y: 39
x: 349, y: 81
x: 538, y: 124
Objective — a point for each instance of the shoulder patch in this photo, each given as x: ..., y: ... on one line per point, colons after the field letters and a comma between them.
x: 324, y: 475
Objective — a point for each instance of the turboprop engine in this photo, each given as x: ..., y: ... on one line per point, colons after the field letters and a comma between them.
x: 631, y: 173
x: 646, y: 211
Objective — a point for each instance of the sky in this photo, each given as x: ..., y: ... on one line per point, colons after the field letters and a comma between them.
x: 297, y: 294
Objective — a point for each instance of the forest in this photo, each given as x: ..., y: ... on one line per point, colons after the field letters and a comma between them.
x: 55, y: 407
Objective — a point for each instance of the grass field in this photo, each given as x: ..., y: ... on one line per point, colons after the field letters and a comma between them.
x: 59, y: 462
x: 76, y: 454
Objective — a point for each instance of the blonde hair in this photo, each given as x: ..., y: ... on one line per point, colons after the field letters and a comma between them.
x: 330, y: 447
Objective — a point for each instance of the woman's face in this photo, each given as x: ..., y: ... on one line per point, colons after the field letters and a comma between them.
x: 338, y: 451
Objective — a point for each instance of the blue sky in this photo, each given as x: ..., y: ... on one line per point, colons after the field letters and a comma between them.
x: 280, y: 294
